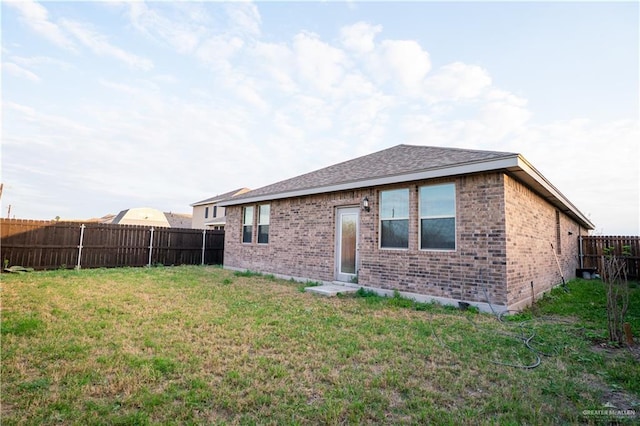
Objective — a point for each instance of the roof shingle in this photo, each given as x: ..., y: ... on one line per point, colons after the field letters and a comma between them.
x: 398, y: 160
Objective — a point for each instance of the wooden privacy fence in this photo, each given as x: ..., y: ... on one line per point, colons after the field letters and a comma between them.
x: 53, y: 245
x: 592, y: 250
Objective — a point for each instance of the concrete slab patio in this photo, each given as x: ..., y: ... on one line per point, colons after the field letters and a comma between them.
x: 329, y: 290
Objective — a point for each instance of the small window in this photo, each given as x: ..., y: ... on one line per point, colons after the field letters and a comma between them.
x: 206, y: 212
x: 438, y: 217
x: 263, y: 223
x: 558, y: 237
x: 394, y: 218
x: 247, y: 224
x: 215, y: 211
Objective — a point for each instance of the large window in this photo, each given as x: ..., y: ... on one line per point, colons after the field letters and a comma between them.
x: 438, y: 217
x: 394, y: 218
x: 247, y: 224
x: 263, y: 223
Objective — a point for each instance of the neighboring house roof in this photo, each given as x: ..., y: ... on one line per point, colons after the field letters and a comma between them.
x: 221, y: 197
x: 220, y: 220
x: 141, y: 216
x: 178, y: 220
x: 403, y: 163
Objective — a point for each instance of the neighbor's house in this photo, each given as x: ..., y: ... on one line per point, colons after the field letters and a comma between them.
x: 432, y: 223
x: 208, y: 214
x: 141, y: 216
x: 148, y: 217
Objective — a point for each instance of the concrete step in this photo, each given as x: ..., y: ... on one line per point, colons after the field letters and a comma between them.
x: 329, y: 290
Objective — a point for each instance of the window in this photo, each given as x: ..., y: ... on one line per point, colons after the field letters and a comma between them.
x: 247, y: 224
x: 394, y: 218
x: 438, y: 217
x: 215, y: 211
x: 558, y: 238
x: 263, y: 223
x: 206, y: 212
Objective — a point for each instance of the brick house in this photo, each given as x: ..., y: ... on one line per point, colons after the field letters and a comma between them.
x: 433, y: 223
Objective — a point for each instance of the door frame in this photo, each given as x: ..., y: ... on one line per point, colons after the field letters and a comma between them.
x: 340, y: 212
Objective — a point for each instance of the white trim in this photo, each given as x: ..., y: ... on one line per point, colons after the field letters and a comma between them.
x: 455, y: 218
x: 381, y: 219
x: 340, y: 211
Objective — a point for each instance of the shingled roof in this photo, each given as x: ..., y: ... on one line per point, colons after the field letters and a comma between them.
x: 396, y: 161
x: 220, y: 197
x: 405, y: 163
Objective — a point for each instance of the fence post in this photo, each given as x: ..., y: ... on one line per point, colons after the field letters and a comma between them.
x: 204, y: 239
x: 581, y: 252
x: 150, y: 246
x: 80, y: 246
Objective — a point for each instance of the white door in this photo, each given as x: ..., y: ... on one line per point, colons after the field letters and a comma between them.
x: 347, y: 243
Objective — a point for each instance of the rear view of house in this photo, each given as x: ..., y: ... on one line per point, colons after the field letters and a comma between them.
x: 432, y: 223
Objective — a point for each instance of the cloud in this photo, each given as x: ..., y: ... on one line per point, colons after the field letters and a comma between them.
x: 318, y: 64
x: 594, y: 164
x: 54, y: 125
x: 36, y: 17
x: 36, y: 61
x: 359, y: 37
x: 100, y: 45
x: 18, y: 71
x: 455, y: 82
x: 183, y: 35
x: 244, y: 18
x: 401, y: 63
x: 217, y: 51
x: 276, y: 61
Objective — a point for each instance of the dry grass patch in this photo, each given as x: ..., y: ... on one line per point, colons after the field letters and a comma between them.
x: 204, y: 345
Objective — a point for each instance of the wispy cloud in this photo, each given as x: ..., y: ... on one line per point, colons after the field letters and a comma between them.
x: 38, y: 61
x: 100, y: 45
x: 19, y: 71
x: 36, y: 17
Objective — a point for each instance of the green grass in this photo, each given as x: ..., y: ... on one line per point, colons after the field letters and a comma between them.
x: 202, y: 345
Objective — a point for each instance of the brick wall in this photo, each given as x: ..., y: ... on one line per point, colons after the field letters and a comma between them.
x: 302, y: 231
x: 504, y: 236
x: 301, y: 237
x: 532, y: 230
x: 478, y: 262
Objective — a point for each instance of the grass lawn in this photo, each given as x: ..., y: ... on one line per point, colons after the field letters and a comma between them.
x: 202, y: 345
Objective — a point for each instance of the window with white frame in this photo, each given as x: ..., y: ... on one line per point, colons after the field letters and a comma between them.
x: 247, y: 224
x: 394, y: 218
x: 206, y: 212
x: 264, y: 211
x: 438, y: 217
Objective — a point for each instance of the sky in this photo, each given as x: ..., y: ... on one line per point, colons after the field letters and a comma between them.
x: 114, y: 105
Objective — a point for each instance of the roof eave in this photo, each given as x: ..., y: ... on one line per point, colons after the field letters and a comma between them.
x: 464, y: 168
x: 515, y: 164
x: 528, y: 174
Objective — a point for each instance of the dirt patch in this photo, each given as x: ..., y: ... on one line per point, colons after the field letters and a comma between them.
x: 615, y: 398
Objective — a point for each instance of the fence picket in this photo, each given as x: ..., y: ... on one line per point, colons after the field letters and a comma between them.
x: 52, y: 245
x: 593, y: 250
